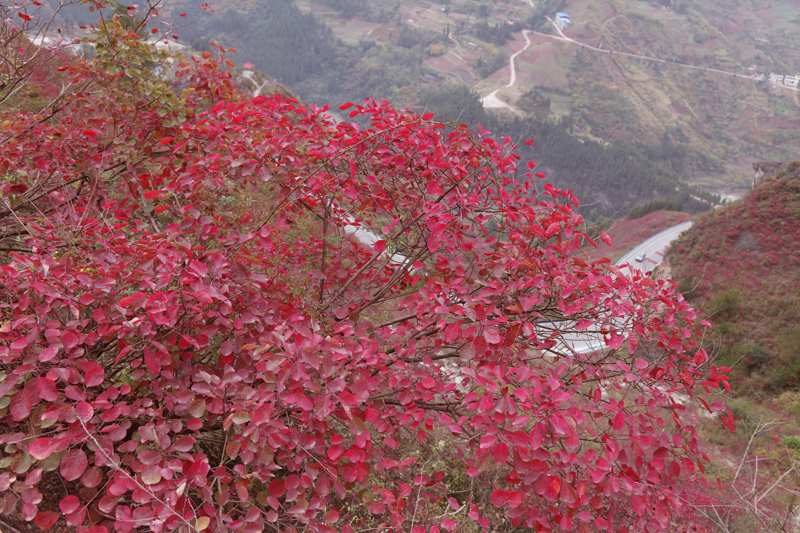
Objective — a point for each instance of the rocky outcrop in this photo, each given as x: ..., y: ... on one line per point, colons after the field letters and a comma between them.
x: 777, y: 170
x: 747, y: 242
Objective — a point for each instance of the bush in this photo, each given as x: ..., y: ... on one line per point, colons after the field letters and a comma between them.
x: 726, y: 305
x: 792, y: 442
x: 178, y: 360
x: 788, y: 402
x: 437, y: 50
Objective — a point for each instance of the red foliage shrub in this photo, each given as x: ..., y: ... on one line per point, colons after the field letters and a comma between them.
x: 191, y: 333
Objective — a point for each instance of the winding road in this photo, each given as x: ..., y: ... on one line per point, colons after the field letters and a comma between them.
x: 491, y: 101
x: 647, y: 58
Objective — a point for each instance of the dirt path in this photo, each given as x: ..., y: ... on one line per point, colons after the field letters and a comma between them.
x: 513, y: 79
x: 257, y: 91
x: 491, y: 101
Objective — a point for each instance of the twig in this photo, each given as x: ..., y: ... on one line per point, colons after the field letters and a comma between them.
x: 12, y: 529
x: 116, y: 467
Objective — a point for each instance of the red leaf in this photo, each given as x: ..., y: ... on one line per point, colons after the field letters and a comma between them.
x: 453, y: 503
x: 511, y: 335
x: 92, y: 477
x: 84, y: 411
x: 69, y: 339
x: 94, y: 374
x: 33, y: 477
x: 19, y: 344
x: 24, y: 16
x: 43, y: 448
x: 499, y: 498
x: 427, y: 116
x: 73, y: 464
x: 151, y: 361
x: 492, y: 336
x: 433, y: 189
x: 20, y: 406
x: 69, y: 504
x: 569, y: 495
x: 379, y: 247
x: 47, y: 354
x: 198, y: 268
x: 166, y: 140
x: 488, y: 441
x: 46, y: 519
x: 46, y: 389
x: 331, y: 517
x: 500, y: 453
x: 277, y: 488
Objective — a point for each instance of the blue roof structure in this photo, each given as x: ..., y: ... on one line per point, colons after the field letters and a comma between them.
x: 562, y: 15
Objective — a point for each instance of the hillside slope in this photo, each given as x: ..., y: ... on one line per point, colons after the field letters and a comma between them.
x: 702, y: 106
x: 703, y: 99
x: 742, y: 265
x: 322, y: 65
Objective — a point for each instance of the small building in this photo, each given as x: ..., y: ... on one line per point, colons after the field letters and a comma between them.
x: 791, y: 81
x: 775, y: 78
x: 754, y: 70
x: 563, y: 21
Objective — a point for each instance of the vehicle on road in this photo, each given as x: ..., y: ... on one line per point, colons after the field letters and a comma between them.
x: 639, y: 258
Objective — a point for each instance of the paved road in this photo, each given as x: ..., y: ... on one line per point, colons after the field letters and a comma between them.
x: 654, y: 248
